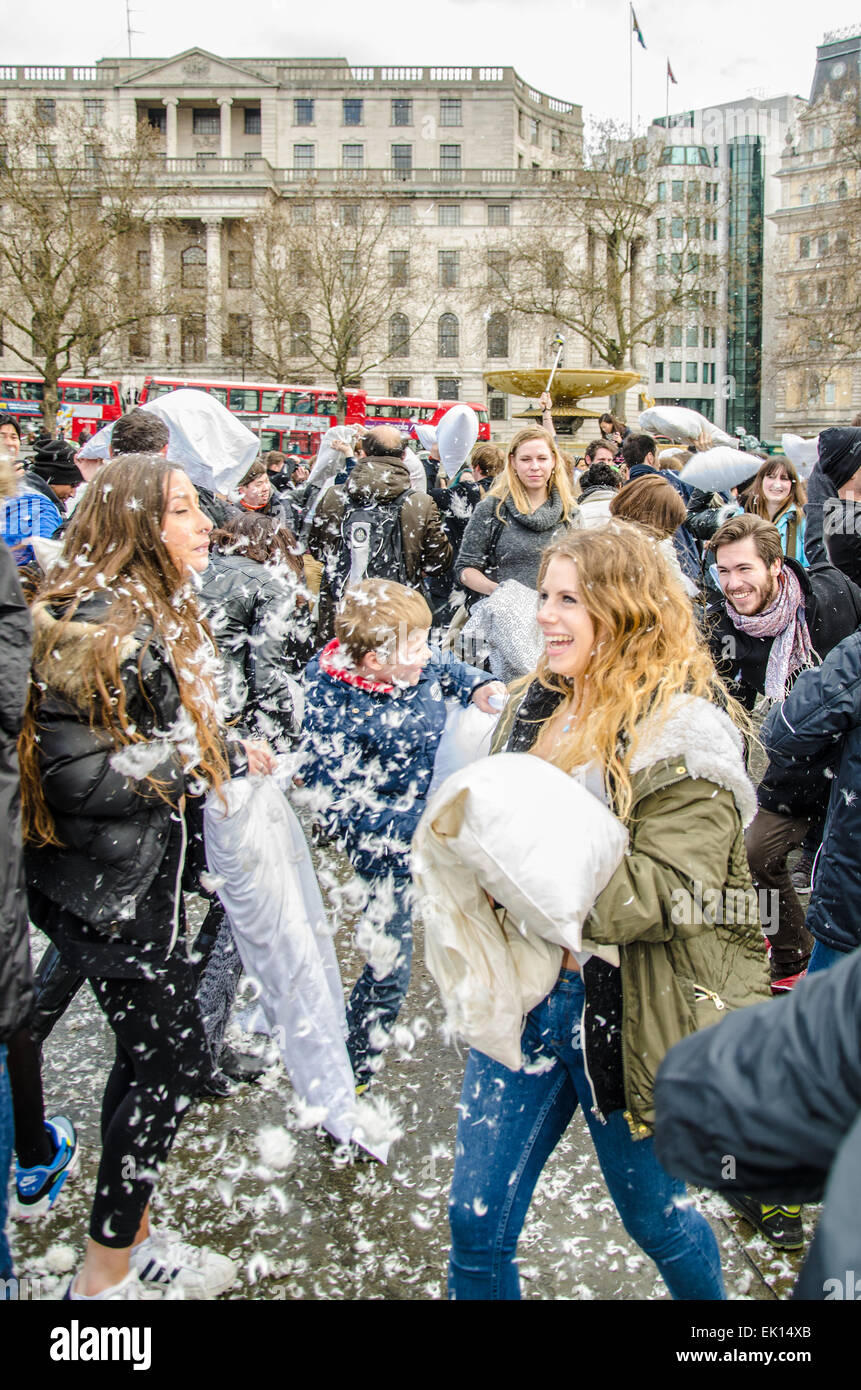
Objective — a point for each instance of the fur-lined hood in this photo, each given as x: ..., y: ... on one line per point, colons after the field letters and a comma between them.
x: 709, y: 743
x: 63, y: 652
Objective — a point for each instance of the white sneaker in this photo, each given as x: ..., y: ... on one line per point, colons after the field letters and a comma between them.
x: 182, y: 1271
x: 130, y: 1288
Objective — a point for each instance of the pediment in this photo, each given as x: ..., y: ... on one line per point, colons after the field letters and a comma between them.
x: 196, y: 67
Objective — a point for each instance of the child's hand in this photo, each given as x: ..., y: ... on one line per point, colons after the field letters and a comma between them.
x: 494, y: 690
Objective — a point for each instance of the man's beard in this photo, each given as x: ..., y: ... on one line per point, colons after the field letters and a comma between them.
x: 766, y: 600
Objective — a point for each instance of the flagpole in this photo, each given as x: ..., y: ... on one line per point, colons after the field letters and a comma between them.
x: 631, y: 71
x: 668, y: 95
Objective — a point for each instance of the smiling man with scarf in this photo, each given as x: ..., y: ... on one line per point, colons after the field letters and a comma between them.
x: 776, y: 620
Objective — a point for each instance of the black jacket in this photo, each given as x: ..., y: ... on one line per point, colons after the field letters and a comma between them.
x: 114, y: 829
x: 263, y: 636
x: 769, y: 1104
x: 833, y: 611
x: 835, y: 522
x: 820, y: 722
x: 16, y: 985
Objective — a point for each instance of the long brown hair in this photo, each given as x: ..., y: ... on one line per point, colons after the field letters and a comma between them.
x: 647, y: 652
x: 114, y: 549
x: 650, y: 501
x: 756, y: 502
x: 263, y: 539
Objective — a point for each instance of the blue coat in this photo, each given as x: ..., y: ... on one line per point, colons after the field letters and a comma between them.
x: 819, y: 724
x: 368, y: 756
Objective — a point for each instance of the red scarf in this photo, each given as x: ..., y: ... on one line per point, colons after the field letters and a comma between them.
x: 334, y: 662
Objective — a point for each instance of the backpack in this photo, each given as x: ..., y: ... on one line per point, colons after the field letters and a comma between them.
x: 371, y: 546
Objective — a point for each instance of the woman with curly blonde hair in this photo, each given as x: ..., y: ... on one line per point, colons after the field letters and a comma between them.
x: 626, y: 700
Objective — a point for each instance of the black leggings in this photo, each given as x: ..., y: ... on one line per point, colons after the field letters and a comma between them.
x: 161, y: 1060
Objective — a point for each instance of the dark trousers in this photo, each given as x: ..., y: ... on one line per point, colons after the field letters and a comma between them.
x: 769, y: 839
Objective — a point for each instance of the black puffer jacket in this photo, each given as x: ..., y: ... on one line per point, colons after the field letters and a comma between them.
x: 114, y: 829
x: 769, y: 1104
x: 833, y: 611
x: 820, y: 721
x: 263, y: 637
x: 16, y: 985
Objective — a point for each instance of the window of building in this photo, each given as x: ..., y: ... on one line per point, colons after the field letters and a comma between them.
x: 675, y: 335
x: 822, y: 292
x: 677, y: 227
x: 692, y: 336
x: 661, y: 227
x: 143, y: 270
x: 239, y: 270
x: 301, y: 214
x: 46, y: 110
x: 554, y: 269
x: 399, y: 386
x: 399, y: 337
x: 447, y: 388
x: 662, y: 192
x: 534, y: 131
x: 352, y: 156
x: 402, y: 111
x: 205, y: 121
x: 303, y: 158
x: 237, y: 341
x: 708, y: 192
x: 448, y: 269
x: 303, y: 111
x: 497, y: 335
x: 694, y: 187
x: 822, y: 245
x: 353, y: 111
x: 139, y: 345
x: 192, y: 330
x: 830, y: 393
x: 94, y: 111
x: 694, y: 261
x: 498, y: 214
x: 691, y: 372
x: 251, y: 120
x: 399, y: 270
x: 449, y: 162
x: 44, y: 156
x: 676, y: 263
x: 556, y: 141
x: 675, y: 371
x: 661, y: 264
x: 825, y: 136
x: 401, y: 214
x: 841, y: 243
x: 678, y: 190
x: 448, y: 214
x: 300, y: 265
x: 449, y: 111
x: 497, y: 405
x: 348, y: 214
x: 659, y: 371
x: 300, y: 334
x: 156, y: 117
x: 193, y: 262
x: 92, y: 157
x: 497, y: 269
x: 659, y: 337
x: 448, y: 336
x: 693, y: 227
x: 402, y: 161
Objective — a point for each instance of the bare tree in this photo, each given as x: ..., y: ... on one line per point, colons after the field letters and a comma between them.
x: 337, y: 290
x: 588, y: 265
x: 73, y: 201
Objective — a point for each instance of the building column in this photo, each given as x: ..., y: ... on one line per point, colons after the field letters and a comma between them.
x: 158, y: 352
x: 171, y: 141
x: 213, y: 288
x: 225, y: 106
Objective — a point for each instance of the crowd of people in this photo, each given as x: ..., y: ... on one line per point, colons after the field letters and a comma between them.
x: 612, y: 624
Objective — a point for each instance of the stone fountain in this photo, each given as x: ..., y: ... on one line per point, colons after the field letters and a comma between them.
x: 568, y: 389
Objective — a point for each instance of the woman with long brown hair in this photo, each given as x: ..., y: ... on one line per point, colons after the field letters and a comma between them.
x: 122, y: 723
x: 625, y: 699
x: 778, y: 495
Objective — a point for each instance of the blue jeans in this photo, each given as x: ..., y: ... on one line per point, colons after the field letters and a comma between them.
x: 375, y: 1003
x: 7, y: 1142
x: 822, y: 957
x: 510, y: 1123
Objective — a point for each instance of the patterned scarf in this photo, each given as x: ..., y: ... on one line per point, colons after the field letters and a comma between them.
x: 785, y: 621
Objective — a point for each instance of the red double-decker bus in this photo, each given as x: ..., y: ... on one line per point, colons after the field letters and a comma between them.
x: 83, y: 402
x: 405, y: 411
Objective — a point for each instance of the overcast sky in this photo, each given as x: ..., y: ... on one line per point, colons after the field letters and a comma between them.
x: 574, y: 49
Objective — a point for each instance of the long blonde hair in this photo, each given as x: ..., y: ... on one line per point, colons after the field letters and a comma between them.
x: 647, y: 652
x: 509, y: 485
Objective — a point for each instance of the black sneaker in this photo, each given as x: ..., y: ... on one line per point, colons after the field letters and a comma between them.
x: 801, y: 875
x: 241, y: 1066
x: 781, y: 1225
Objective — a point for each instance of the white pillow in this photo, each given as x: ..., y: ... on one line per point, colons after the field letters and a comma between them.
x: 534, y: 838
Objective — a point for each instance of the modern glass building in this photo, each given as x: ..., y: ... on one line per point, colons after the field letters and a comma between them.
x: 746, y: 211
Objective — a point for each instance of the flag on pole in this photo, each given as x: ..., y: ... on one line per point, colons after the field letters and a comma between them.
x: 670, y: 74
x: 636, y: 29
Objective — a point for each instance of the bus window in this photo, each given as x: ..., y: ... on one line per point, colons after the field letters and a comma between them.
x: 427, y: 412
x: 244, y: 398
x: 483, y: 416
x: 10, y: 390
x: 220, y: 394
x: 77, y: 394
x: 270, y: 403
x: 269, y: 439
x: 104, y: 395
x: 302, y: 404
x: 32, y: 391
x: 159, y: 388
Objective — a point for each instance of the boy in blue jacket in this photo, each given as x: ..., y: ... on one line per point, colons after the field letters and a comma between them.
x: 374, y: 714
